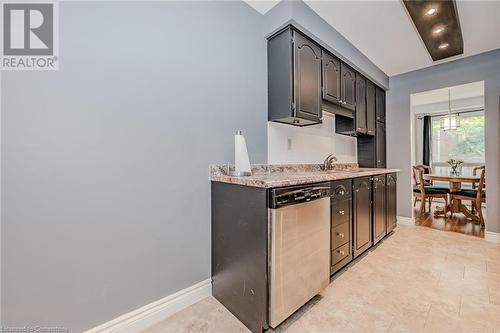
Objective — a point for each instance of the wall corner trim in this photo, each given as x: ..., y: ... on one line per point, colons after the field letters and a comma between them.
x: 491, y: 236
x: 405, y: 220
x: 154, y: 312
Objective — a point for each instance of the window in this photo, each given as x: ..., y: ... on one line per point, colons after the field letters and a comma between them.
x: 466, y: 142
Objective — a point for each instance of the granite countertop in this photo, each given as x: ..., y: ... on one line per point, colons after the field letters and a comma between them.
x: 269, y: 176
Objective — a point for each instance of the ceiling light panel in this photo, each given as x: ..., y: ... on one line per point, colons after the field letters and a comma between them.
x: 430, y: 19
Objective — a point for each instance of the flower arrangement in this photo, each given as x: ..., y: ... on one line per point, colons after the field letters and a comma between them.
x: 455, y: 166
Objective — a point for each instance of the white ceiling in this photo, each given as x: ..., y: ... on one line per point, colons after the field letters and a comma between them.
x: 463, y: 91
x: 384, y: 33
x: 262, y: 6
x: 462, y: 97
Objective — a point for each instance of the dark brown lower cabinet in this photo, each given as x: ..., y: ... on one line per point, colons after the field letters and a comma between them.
x: 362, y: 215
x: 379, y: 208
x: 391, y: 197
x: 341, y: 224
x: 239, y: 252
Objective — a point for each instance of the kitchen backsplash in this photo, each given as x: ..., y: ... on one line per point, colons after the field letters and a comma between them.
x: 311, y: 144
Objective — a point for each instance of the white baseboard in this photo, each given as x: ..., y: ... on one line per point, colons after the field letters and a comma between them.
x: 405, y: 220
x: 152, y: 313
x: 492, y: 236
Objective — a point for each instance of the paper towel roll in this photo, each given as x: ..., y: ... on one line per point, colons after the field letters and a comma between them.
x: 241, y: 160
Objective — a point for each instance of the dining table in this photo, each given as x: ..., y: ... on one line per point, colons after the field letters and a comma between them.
x: 455, y: 185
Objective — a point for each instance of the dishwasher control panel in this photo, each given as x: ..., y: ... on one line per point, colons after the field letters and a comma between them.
x: 292, y: 195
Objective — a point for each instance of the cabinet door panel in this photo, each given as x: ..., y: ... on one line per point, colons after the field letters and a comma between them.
x: 379, y: 208
x: 380, y: 104
x: 380, y: 145
x: 391, y: 188
x: 362, y: 210
x: 307, y: 69
x: 360, y: 104
x: 370, y: 108
x: 348, y: 87
x: 331, y: 78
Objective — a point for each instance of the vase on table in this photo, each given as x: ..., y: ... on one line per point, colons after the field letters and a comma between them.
x: 456, y: 171
x: 455, y: 167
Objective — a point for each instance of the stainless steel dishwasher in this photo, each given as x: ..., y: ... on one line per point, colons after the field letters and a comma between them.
x: 299, y: 247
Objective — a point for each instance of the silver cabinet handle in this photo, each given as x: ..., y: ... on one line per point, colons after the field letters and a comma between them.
x: 341, y: 212
x: 340, y: 234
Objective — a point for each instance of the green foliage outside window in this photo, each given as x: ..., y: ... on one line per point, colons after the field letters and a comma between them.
x: 466, y: 142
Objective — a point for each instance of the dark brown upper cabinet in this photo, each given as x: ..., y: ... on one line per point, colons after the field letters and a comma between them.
x: 294, y: 78
x: 331, y: 78
x: 339, y: 81
x: 380, y: 105
x: 380, y: 144
x: 348, y: 87
x: 307, y: 62
x: 361, y: 126
x: 370, y: 108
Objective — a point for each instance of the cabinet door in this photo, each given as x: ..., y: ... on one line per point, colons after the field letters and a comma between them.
x: 380, y: 105
x: 360, y: 104
x: 331, y: 78
x: 380, y: 145
x: 348, y: 87
x: 391, y: 188
x: 370, y: 108
x: 379, y: 208
x: 362, y: 213
x: 307, y: 69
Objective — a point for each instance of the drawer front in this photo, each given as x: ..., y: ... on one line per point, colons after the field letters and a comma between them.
x: 340, y: 235
x: 341, y: 212
x: 341, y: 190
x: 341, y: 253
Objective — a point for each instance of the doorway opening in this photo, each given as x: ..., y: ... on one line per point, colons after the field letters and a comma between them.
x: 448, y: 130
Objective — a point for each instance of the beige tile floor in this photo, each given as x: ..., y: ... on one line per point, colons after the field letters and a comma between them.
x: 417, y: 280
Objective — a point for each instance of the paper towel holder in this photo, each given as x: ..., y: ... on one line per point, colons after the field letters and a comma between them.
x: 233, y: 171
x: 238, y: 174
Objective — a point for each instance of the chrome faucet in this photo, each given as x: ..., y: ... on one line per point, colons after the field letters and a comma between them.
x: 328, y: 163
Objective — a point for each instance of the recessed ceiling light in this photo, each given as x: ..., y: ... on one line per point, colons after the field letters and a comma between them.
x: 438, y: 30
x: 431, y: 11
x: 443, y: 46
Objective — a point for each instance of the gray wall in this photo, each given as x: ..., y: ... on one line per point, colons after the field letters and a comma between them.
x: 300, y: 14
x: 481, y: 67
x: 105, y: 193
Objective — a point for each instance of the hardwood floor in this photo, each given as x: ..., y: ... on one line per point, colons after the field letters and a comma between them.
x: 458, y: 223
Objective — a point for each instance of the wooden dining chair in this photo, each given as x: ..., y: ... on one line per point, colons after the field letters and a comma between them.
x: 475, y: 171
x: 417, y: 180
x: 476, y: 195
x: 423, y: 191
